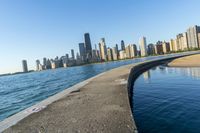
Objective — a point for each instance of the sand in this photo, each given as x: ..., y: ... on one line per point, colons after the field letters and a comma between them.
x: 188, y: 61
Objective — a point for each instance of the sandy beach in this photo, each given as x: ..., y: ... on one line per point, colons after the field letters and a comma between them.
x: 188, y: 61
x: 100, y: 106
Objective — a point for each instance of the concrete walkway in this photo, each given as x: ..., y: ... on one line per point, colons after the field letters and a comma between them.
x: 102, y: 105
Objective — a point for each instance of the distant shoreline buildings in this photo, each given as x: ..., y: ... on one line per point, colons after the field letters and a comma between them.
x: 189, y: 40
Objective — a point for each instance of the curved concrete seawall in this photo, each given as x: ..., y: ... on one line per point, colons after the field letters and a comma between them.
x: 99, y: 104
x: 138, y: 69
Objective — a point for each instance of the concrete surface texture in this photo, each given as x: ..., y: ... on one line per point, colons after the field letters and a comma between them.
x: 188, y: 61
x: 102, y: 105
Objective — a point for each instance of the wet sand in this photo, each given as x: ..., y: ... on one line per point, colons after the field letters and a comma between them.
x: 102, y: 105
x: 188, y: 61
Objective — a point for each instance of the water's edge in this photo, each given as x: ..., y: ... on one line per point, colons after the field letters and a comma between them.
x: 137, y: 69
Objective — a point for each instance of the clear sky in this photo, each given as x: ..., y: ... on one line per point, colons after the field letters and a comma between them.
x: 33, y: 29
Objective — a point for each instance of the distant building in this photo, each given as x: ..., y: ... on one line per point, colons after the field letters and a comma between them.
x: 192, y: 34
x: 24, y: 66
x: 122, y: 45
x: 72, y: 54
x: 133, y: 50
x: 88, y: 46
x: 172, y: 45
x: 82, y: 51
x: 117, y: 50
x: 127, y: 51
x: 151, y: 49
x: 158, y: 48
x: 37, y: 65
x: 143, y: 46
x: 103, y: 50
x: 166, y: 47
x: 109, y: 54
x: 114, y: 53
x: 122, y: 55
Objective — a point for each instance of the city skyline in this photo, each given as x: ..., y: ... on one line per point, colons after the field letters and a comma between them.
x: 30, y: 38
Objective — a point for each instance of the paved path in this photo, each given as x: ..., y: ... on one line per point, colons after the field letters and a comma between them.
x: 100, y: 106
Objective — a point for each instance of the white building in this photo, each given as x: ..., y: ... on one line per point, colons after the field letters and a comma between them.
x: 143, y: 46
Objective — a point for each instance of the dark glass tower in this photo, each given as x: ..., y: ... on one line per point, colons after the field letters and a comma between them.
x: 122, y: 45
x: 88, y: 46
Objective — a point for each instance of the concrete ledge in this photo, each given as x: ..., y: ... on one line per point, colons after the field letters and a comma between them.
x: 12, y: 120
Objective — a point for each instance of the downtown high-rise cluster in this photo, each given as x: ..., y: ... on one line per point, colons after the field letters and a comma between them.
x: 189, y: 40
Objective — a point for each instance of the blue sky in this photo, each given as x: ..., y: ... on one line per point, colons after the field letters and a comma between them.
x: 33, y: 29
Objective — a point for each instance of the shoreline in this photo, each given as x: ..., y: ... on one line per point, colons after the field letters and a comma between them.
x: 99, y: 104
x: 112, y: 110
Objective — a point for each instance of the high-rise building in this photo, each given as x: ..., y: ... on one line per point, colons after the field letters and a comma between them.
x: 72, y: 53
x: 117, y: 50
x: 127, y: 51
x: 158, y: 48
x: 114, y: 53
x: 172, y: 45
x: 37, y: 65
x: 143, y: 46
x: 122, y: 54
x: 166, y: 47
x: 24, y: 66
x: 192, y: 34
x: 151, y: 50
x: 185, y: 41
x: 48, y: 64
x: 133, y: 50
x: 88, y: 46
x: 82, y: 51
x: 122, y: 45
x: 109, y: 54
x: 103, y: 50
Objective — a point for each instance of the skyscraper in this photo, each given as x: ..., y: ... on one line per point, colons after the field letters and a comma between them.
x: 88, y: 46
x: 82, y: 51
x: 117, y: 51
x: 151, y: 50
x: 166, y: 47
x: 143, y: 46
x: 72, y: 53
x: 192, y: 34
x: 133, y: 50
x: 103, y: 49
x: 37, y: 65
x: 109, y: 54
x: 122, y: 45
x: 24, y: 66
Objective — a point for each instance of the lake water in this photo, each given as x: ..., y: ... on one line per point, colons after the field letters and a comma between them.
x: 19, y: 92
x: 167, y: 100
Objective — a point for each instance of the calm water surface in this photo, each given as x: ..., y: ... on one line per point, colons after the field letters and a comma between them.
x: 167, y: 100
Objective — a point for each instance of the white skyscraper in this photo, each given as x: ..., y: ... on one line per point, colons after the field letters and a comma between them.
x: 143, y: 46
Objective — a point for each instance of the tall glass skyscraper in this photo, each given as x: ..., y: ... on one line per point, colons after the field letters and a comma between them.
x: 82, y: 51
x: 122, y: 45
x: 88, y: 46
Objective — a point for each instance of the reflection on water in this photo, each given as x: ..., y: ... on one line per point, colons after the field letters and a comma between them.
x: 167, y: 100
x: 146, y: 76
